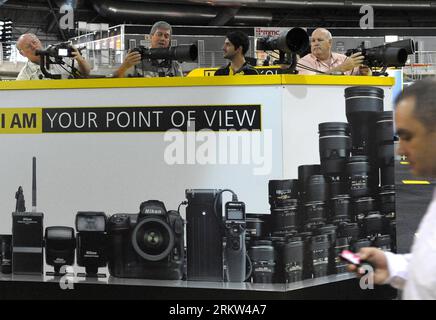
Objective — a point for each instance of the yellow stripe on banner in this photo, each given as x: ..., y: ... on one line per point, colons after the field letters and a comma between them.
x: 405, y: 163
x: 415, y: 182
x: 20, y: 120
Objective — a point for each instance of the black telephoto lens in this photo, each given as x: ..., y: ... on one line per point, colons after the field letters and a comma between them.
x: 6, y: 253
x: 320, y: 255
x: 293, y: 258
x: 334, y: 147
x: 361, y: 243
x: 282, y: 192
x: 359, y: 171
x: 340, y: 207
x: 315, y: 215
x: 284, y: 220
x: 306, y: 237
x: 349, y: 230
x: 385, y: 147
x: 383, y: 242
x: 304, y: 173
x: 341, y: 245
x: 372, y: 224
x: 317, y: 189
x: 363, y: 104
x: 361, y: 208
x: 262, y: 259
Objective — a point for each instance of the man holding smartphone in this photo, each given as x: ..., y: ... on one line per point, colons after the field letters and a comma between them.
x: 414, y: 273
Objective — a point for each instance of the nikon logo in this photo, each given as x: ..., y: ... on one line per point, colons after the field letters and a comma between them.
x: 153, y: 211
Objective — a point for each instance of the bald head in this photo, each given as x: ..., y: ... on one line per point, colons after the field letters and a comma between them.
x: 27, y: 44
x: 321, y: 44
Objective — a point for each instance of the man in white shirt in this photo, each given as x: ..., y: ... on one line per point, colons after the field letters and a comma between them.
x: 27, y: 45
x: 414, y: 273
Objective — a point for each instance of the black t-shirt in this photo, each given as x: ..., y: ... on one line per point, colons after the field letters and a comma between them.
x: 246, y: 69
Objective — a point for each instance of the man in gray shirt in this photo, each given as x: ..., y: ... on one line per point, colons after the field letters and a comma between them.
x: 160, y: 36
x: 27, y: 45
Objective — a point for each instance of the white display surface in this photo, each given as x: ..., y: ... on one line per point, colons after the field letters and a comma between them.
x: 115, y: 172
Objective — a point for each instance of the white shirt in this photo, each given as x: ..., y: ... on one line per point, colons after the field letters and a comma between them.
x: 32, y: 71
x: 415, y: 273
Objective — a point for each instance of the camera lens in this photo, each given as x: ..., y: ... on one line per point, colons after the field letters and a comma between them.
x: 358, y: 170
x: 317, y: 189
x: 341, y: 245
x: 263, y: 261
x: 254, y: 227
x: 339, y: 185
x: 278, y: 244
x: 387, y: 201
x: 362, y: 107
x: 304, y: 173
x: 320, y: 255
x: 282, y: 192
x: 284, y: 220
x: 334, y: 147
x: 383, y: 242
x: 361, y: 207
x: 329, y: 230
x: 349, y: 230
x: 385, y: 147
x: 361, y: 243
x: 6, y: 253
x: 315, y: 213
x: 340, y: 209
x: 293, y: 253
x: 372, y: 224
x: 152, y: 239
x: 306, y: 237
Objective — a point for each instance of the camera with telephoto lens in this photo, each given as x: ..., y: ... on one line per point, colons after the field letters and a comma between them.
x: 381, y: 56
x: 61, y: 50
x: 180, y: 53
x: 147, y: 245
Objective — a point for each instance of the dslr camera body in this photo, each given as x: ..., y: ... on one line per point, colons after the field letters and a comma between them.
x: 147, y: 245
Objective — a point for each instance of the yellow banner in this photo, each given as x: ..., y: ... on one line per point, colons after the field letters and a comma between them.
x: 20, y: 120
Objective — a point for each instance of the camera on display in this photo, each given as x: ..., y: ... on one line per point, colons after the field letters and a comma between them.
x: 147, y: 245
x: 180, y: 53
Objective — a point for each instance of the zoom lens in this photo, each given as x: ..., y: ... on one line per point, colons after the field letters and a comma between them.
x: 339, y: 185
x: 262, y: 259
x: 320, y: 255
x: 334, y: 147
x: 306, y: 237
x: 358, y: 170
x: 317, y: 189
x: 284, y: 220
x: 341, y: 245
x: 304, y: 173
x: 293, y: 256
x: 315, y: 215
x: 385, y: 147
x: 340, y: 209
x: 279, y: 271
x: 329, y: 230
x: 282, y: 192
x: 363, y: 104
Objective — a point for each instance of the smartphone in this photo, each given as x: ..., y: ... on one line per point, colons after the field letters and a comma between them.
x: 350, y: 257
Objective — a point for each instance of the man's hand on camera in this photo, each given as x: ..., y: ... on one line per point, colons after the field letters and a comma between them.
x: 377, y: 259
x: 355, y: 60
x: 84, y: 66
x: 132, y: 58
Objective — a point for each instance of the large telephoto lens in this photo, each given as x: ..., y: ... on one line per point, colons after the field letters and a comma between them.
x: 334, y: 147
x: 263, y: 261
x: 362, y: 107
x: 293, y: 256
x: 282, y: 192
x: 304, y: 173
x: 340, y: 209
x: 284, y: 220
x: 358, y: 169
x: 385, y: 148
x: 320, y: 255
